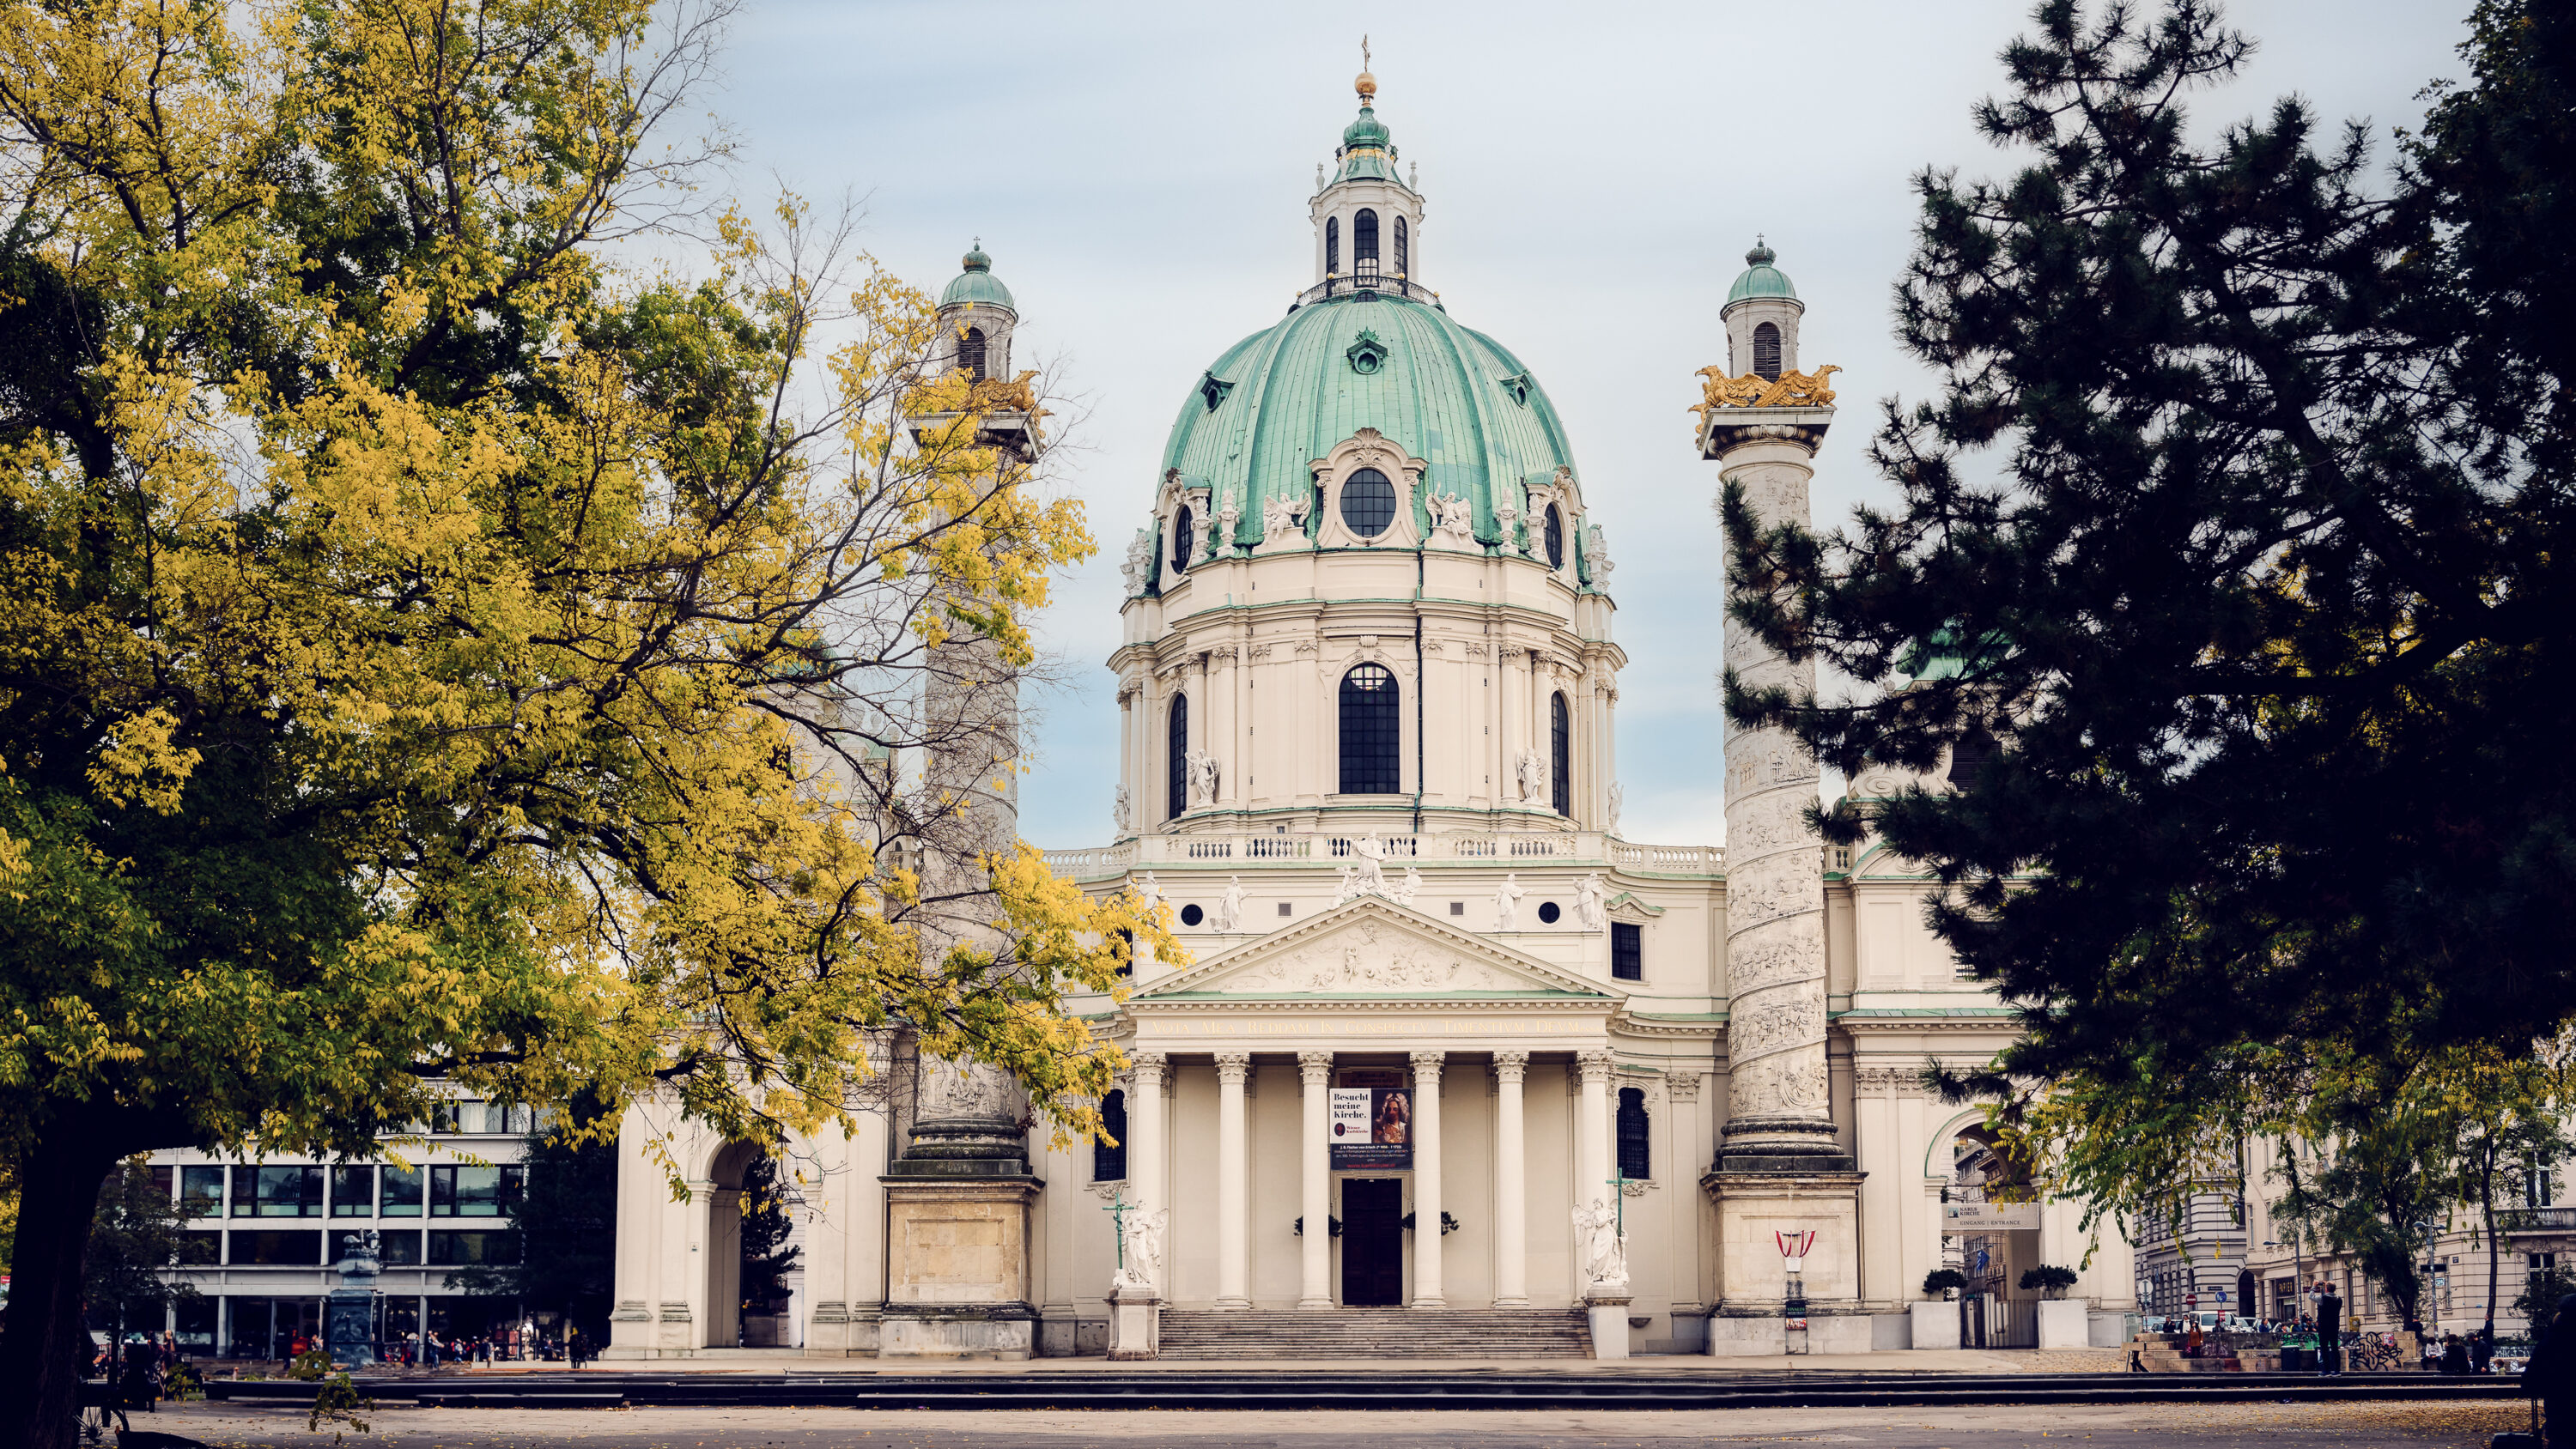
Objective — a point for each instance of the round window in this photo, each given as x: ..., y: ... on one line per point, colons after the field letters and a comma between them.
x: 1548, y: 912
x: 1192, y: 915
x: 1368, y: 502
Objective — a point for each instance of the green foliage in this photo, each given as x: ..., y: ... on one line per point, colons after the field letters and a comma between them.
x: 2538, y: 1301
x: 566, y: 1221
x: 1944, y: 1280
x: 2262, y: 543
x: 133, y: 1238
x: 336, y: 1401
x: 2048, y: 1278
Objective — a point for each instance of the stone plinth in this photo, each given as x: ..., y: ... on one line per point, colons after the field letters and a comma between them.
x: 2063, y: 1323
x: 1606, y: 1304
x: 1753, y: 1282
x: 1936, y: 1325
x: 1135, y: 1323
x: 957, y: 1271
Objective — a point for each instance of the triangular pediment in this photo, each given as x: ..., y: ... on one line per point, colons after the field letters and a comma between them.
x: 1372, y: 948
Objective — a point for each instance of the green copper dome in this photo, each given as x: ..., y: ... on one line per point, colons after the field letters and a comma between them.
x: 1761, y: 279
x: 1283, y: 397
x: 978, y: 284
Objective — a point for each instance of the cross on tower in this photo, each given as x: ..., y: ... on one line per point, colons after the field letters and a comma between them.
x: 1364, y: 64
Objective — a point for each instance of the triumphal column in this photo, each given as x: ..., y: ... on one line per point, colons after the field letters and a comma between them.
x: 1781, y: 1170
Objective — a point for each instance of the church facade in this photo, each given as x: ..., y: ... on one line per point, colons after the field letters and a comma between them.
x: 1447, y: 1042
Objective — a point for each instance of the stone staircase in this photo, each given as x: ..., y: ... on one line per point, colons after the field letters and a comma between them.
x: 1372, y: 1333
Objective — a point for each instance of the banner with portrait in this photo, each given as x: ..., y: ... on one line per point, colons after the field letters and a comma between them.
x: 1371, y: 1127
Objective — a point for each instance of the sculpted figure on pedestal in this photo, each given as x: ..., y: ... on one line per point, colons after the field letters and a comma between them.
x: 1605, y: 1253
x: 1618, y: 795
x: 1590, y: 910
x: 1453, y: 521
x: 1507, y: 903
x: 1229, y: 907
x: 1142, y: 1233
x: 1149, y: 894
x: 1531, y: 774
x: 1403, y: 894
x: 1139, y: 567
x: 1280, y: 518
x: 1596, y: 557
x: 1204, y: 776
x: 1118, y: 809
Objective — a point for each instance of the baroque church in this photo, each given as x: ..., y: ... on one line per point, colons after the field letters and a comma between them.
x: 1453, y: 1067
x: 1452, y: 1060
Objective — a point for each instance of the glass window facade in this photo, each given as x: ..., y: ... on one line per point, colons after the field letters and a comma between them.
x: 353, y: 1192
x: 201, y: 1191
x: 474, y: 1192
x: 277, y: 1192
x: 403, y: 1192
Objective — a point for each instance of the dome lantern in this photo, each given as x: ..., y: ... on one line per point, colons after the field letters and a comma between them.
x: 976, y: 285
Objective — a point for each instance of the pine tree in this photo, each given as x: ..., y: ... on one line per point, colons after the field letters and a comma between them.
x: 2235, y: 540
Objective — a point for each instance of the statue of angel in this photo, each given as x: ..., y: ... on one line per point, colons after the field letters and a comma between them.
x: 1139, y: 567
x: 1605, y: 1253
x: 1141, y: 1235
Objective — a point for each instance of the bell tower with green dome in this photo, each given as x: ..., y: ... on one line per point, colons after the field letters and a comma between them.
x: 977, y: 314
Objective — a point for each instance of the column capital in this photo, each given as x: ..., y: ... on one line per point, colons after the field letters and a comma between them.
x: 1148, y: 1067
x: 1511, y: 1066
x: 1427, y: 1064
x: 1316, y: 1068
x: 1596, y: 1067
x: 1232, y: 1066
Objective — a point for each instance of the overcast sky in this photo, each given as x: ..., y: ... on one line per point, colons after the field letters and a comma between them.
x: 1592, y: 174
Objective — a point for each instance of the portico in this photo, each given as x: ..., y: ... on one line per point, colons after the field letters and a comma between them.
x: 1238, y: 1056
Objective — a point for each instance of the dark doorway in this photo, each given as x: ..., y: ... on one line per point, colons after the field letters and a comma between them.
x: 1373, y: 1242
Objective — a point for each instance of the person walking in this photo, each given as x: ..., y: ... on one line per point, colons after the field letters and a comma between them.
x: 2329, y: 1329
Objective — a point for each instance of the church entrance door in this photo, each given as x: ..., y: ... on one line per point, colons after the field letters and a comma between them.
x: 1373, y: 1242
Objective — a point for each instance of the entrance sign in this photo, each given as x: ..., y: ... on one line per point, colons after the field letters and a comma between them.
x: 1989, y: 1217
x: 1371, y: 1127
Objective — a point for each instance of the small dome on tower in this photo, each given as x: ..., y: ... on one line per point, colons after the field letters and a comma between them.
x: 1367, y: 131
x: 977, y: 284
x: 1761, y: 279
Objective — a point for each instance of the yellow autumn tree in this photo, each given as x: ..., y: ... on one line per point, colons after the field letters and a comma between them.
x: 430, y: 653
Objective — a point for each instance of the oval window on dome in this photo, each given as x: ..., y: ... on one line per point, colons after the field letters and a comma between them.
x: 1184, y: 539
x: 1368, y: 502
x: 1555, y: 538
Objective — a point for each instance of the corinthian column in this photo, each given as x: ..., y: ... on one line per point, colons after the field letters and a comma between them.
x: 1233, y: 1173
x: 1428, y: 1290
x: 1315, y: 1248
x: 1511, y: 1184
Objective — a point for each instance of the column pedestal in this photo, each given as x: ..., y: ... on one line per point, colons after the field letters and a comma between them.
x: 1752, y: 1284
x: 958, y: 1204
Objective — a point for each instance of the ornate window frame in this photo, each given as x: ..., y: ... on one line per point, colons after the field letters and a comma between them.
x: 1181, y: 490
x: 1560, y: 489
x: 1368, y: 448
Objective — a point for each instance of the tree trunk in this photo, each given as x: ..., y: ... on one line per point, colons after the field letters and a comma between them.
x: 44, y: 1348
x: 2486, y: 1200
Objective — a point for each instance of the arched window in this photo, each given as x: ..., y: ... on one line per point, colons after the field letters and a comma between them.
x: 970, y: 353
x: 1179, y: 750
x: 1766, y: 352
x: 1636, y: 1152
x: 1560, y: 755
x: 1332, y: 245
x: 1973, y: 752
x: 1372, y: 732
x: 1368, y: 502
x: 1403, y: 249
x: 1555, y: 538
x: 1364, y: 241
x: 1184, y: 539
x: 1109, y: 1159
